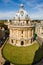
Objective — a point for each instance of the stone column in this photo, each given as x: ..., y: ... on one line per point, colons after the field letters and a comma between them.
x: 29, y: 22
x: 29, y: 32
x: 30, y: 41
x: 26, y: 34
x: 32, y: 32
x: 40, y: 30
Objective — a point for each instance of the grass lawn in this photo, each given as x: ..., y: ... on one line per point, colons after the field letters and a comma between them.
x: 21, y: 55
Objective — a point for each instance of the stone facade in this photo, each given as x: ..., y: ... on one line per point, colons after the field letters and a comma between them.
x: 39, y: 29
x: 21, y: 29
x: 39, y: 32
x: 21, y: 36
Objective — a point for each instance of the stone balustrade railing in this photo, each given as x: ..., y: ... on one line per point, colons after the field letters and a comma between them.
x: 21, y: 38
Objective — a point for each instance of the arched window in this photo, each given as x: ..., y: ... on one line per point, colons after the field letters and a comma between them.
x: 21, y: 14
x: 12, y: 40
x: 22, y: 42
x: 27, y: 22
x: 22, y: 31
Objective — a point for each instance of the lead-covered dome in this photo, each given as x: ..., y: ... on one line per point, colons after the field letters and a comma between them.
x: 21, y: 14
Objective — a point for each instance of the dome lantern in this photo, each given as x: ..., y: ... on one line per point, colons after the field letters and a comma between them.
x: 21, y: 6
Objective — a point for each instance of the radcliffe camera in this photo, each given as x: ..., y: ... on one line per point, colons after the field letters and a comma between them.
x: 21, y: 32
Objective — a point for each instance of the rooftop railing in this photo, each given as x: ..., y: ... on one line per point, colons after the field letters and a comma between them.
x: 17, y: 38
x: 21, y: 25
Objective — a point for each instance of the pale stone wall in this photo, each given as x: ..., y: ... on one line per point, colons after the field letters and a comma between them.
x: 21, y: 29
x: 39, y: 29
x: 29, y: 33
x: 17, y: 36
x: 26, y: 33
x: 32, y: 32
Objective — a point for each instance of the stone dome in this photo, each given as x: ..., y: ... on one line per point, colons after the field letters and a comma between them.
x: 21, y: 14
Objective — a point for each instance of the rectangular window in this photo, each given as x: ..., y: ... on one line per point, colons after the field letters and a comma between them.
x: 22, y: 31
x: 12, y: 41
x: 16, y: 41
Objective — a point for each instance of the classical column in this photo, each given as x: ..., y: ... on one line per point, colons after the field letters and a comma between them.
x: 29, y: 22
x: 40, y: 30
x: 29, y: 40
x: 32, y: 32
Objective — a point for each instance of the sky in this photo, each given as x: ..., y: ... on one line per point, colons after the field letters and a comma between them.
x: 8, y: 8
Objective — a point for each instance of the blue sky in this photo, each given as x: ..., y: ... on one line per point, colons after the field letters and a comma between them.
x: 8, y: 8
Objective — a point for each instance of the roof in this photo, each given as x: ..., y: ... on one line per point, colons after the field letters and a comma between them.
x: 21, y: 14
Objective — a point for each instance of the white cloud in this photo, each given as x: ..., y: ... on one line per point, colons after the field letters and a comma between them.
x: 36, y: 13
x: 7, y: 15
x: 10, y: 1
x: 11, y: 14
x: 39, y: 7
x: 6, y: 1
x: 28, y: 2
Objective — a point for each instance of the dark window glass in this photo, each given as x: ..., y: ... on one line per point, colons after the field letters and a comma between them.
x: 22, y: 15
x: 12, y: 41
x: 27, y: 22
x: 22, y: 31
x: 22, y: 43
